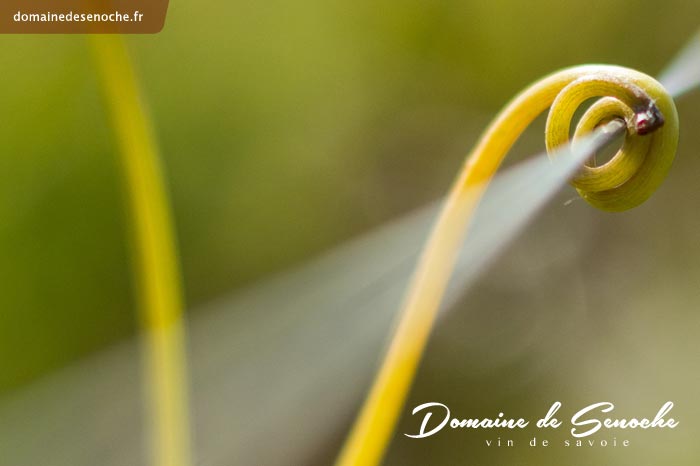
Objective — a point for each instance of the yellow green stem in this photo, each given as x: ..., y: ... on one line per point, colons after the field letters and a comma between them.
x: 155, y: 257
x: 644, y: 165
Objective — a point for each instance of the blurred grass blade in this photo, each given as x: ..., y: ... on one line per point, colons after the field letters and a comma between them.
x: 155, y: 260
x: 683, y: 73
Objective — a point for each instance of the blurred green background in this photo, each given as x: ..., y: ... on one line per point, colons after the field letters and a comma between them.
x: 285, y: 128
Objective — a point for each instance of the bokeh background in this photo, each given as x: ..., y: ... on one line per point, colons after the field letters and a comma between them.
x: 287, y: 128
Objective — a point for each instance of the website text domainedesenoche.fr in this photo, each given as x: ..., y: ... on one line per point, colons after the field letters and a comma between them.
x: 50, y: 17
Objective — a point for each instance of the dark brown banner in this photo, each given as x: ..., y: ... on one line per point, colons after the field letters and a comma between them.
x: 82, y: 16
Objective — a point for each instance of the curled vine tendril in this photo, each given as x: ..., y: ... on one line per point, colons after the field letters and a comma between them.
x: 627, y: 180
x: 649, y: 113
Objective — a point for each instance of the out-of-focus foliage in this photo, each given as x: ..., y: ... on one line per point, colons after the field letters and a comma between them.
x: 285, y: 127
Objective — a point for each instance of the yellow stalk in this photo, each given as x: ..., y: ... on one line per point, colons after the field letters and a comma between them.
x: 624, y: 182
x: 155, y: 257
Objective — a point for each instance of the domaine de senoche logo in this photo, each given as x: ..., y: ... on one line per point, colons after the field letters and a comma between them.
x: 582, y: 425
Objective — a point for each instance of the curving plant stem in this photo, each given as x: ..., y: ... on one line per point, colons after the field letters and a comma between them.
x: 626, y: 181
x: 156, y: 269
